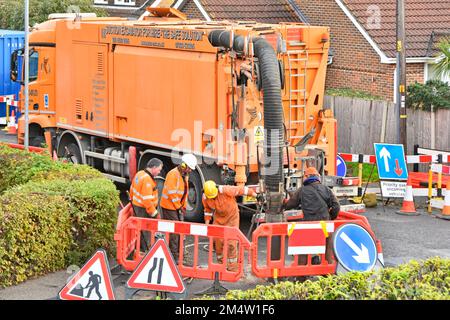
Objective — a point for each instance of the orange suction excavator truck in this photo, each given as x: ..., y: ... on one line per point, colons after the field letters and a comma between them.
x: 246, y: 98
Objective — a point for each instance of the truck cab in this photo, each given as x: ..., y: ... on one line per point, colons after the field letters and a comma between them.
x: 41, y: 84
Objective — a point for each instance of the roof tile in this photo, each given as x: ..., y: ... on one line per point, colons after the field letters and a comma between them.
x: 423, y: 17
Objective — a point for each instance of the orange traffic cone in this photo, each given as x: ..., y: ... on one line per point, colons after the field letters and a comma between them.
x: 446, y: 209
x: 408, y: 208
x: 12, y: 129
x: 55, y: 156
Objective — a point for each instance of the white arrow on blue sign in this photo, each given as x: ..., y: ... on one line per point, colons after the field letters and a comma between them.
x: 391, y: 161
x: 354, y: 248
x: 341, y: 167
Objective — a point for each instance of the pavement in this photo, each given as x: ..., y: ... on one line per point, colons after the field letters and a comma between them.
x: 8, y: 138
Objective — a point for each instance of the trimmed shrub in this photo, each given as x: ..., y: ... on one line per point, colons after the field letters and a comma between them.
x: 433, y: 92
x: 92, y: 209
x: 416, y: 280
x: 68, y: 172
x: 19, y: 166
x: 52, y: 214
x: 34, y: 235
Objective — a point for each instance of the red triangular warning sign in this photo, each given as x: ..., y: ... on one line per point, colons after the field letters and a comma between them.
x: 157, y: 271
x: 92, y: 282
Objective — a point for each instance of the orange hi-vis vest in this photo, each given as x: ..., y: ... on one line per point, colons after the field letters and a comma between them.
x: 144, y: 193
x: 175, y: 191
x: 224, y: 206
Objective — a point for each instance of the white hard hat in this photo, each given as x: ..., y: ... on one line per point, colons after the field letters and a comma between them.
x: 190, y: 160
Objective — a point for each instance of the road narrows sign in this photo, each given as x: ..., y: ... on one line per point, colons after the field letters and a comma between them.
x: 157, y: 271
x: 91, y: 282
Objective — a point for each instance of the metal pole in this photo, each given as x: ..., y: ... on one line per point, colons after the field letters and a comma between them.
x: 27, y: 64
x: 433, y: 128
x: 401, y: 72
x: 433, y: 124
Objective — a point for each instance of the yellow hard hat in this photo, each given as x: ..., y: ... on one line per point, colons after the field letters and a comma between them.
x: 210, y: 189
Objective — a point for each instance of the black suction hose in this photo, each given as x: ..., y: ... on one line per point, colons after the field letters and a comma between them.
x: 273, y: 111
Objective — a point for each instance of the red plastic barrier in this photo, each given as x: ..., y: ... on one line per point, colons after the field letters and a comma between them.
x: 288, y: 265
x: 420, y: 179
x: 22, y: 147
x: 128, y: 238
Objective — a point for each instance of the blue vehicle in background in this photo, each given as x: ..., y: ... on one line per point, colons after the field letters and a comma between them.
x: 10, y: 41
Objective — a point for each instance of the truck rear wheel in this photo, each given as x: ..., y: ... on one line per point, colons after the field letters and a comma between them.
x: 194, y: 212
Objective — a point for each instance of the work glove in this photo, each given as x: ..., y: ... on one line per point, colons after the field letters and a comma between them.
x: 154, y: 214
x: 181, y: 214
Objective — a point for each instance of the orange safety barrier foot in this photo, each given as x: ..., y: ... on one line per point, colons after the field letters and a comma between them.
x: 215, y: 289
x: 446, y: 209
x: 408, y: 208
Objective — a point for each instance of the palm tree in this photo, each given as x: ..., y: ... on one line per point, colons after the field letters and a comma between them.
x: 443, y: 66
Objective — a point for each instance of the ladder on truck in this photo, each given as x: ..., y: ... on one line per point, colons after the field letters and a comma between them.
x: 297, y: 63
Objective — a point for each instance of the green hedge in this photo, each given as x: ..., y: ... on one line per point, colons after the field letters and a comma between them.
x: 19, y: 166
x: 70, y: 209
x: 416, y: 280
x: 92, y: 207
x: 34, y: 235
x: 433, y: 92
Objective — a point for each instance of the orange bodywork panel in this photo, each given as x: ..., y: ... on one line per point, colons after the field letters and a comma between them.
x: 159, y: 82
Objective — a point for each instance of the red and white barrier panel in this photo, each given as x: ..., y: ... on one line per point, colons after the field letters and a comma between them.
x: 409, y: 159
x: 440, y: 168
x: 7, y: 98
x: 348, y: 157
x: 10, y: 100
x: 426, y: 158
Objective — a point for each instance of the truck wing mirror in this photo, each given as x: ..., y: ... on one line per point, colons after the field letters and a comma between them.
x: 16, y: 73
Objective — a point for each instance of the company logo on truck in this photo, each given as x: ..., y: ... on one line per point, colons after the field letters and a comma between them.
x: 157, y: 33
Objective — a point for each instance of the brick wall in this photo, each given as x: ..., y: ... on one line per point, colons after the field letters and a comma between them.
x: 355, y: 65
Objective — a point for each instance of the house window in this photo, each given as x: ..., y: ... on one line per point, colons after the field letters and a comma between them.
x: 100, y: 1
x: 125, y: 2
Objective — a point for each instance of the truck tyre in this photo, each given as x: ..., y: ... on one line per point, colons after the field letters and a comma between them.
x: 194, y: 212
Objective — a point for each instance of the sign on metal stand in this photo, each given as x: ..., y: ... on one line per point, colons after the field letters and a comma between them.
x: 157, y: 271
x: 391, y: 163
x: 91, y: 282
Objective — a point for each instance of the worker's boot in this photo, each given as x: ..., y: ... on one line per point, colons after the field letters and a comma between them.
x: 232, y: 265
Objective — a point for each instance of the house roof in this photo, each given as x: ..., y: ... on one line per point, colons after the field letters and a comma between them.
x: 423, y: 17
x: 267, y: 11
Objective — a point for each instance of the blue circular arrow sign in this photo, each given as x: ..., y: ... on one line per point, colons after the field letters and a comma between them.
x: 354, y: 248
x: 341, y: 167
